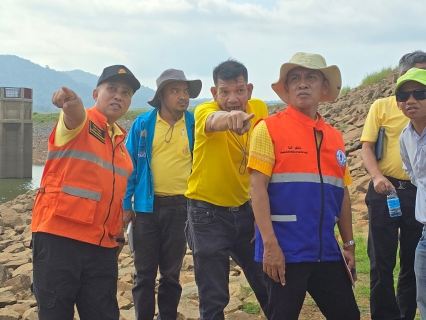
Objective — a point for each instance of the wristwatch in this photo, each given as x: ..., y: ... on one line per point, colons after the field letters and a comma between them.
x: 348, y: 244
x: 121, y: 240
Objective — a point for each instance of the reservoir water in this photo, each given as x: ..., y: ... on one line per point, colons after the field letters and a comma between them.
x: 11, y: 188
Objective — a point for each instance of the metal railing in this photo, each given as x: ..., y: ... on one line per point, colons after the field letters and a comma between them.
x: 11, y: 92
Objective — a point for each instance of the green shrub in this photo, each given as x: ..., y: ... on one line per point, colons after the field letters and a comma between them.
x: 251, y: 308
x: 345, y: 90
x: 342, y: 127
x: 52, y: 117
x: 375, y: 77
x: 132, y: 114
x: 45, y: 117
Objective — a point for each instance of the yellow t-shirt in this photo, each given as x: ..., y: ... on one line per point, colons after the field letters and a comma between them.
x: 219, y: 174
x: 63, y: 135
x: 171, y: 161
x: 385, y: 113
x: 262, y: 155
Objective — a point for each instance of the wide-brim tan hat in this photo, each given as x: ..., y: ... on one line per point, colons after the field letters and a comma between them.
x: 171, y: 75
x: 310, y: 61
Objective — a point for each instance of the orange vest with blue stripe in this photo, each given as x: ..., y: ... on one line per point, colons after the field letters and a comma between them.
x: 306, y: 187
x: 83, y: 185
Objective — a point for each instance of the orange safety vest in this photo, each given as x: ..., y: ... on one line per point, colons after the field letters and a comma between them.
x: 83, y: 185
x: 306, y: 188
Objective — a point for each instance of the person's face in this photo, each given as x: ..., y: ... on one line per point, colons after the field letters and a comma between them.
x: 175, y: 96
x: 305, y: 87
x: 113, y: 99
x: 232, y: 94
x: 412, y: 108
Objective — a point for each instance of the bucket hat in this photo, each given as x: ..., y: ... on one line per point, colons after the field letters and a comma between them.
x: 310, y: 61
x: 171, y: 75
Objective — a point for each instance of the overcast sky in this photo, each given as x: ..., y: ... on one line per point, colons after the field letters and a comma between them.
x: 149, y: 36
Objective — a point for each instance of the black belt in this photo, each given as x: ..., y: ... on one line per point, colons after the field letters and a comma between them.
x: 208, y: 205
x: 401, y: 184
x: 169, y: 200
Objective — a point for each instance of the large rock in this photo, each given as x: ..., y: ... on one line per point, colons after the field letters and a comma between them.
x: 7, y: 314
x: 23, y: 269
x: 10, y: 218
x: 20, y: 286
x: 30, y: 314
x: 7, y: 298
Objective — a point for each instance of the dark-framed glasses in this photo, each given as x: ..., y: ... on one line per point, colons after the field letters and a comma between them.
x: 403, y: 96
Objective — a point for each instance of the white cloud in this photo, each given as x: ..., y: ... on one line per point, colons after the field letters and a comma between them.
x: 195, y: 35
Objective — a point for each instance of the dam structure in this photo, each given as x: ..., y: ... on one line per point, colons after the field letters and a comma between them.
x: 16, y: 132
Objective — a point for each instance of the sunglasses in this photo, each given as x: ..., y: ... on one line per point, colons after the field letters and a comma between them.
x: 403, y: 96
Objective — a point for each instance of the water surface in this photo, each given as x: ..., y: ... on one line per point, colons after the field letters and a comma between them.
x: 11, y: 188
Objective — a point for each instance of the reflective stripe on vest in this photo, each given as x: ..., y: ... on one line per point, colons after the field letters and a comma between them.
x: 87, y: 156
x: 281, y: 218
x: 83, y: 193
x: 306, y: 177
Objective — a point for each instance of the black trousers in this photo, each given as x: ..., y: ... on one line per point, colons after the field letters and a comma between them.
x: 159, y: 241
x: 68, y: 272
x: 327, y: 283
x: 383, y: 236
x: 214, y: 234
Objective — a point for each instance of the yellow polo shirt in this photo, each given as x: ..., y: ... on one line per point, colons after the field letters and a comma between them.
x: 385, y: 113
x: 262, y: 155
x: 219, y: 174
x: 63, y: 135
x: 171, y: 161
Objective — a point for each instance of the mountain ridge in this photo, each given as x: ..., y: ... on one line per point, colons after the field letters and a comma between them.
x: 22, y: 73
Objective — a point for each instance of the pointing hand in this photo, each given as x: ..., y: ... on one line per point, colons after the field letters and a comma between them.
x: 65, y: 98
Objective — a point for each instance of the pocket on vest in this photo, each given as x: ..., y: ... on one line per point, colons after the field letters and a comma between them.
x: 77, y: 201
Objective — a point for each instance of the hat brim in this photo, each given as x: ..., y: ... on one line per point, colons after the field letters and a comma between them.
x: 421, y: 81
x: 331, y: 73
x: 194, y: 90
x: 134, y: 83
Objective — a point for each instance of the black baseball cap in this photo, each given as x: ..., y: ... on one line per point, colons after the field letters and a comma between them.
x: 119, y: 72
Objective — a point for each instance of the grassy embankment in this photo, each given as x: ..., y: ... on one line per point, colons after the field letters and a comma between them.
x: 49, y: 117
x: 371, y: 78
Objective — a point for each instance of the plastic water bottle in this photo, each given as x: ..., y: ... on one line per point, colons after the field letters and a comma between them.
x: 393, y: 204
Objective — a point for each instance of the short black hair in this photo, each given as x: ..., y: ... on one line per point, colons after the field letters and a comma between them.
x: 230, y: 70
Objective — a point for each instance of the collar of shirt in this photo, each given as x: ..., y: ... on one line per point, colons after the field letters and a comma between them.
x: 114, y: 130
x: 159, y: 119
x: 413, y: 132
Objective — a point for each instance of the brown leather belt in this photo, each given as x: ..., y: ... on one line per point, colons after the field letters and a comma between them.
x: 169, y: 200
x: 208, y: 205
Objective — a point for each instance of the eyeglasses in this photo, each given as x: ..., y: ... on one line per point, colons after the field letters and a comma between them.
x: 403, y: 96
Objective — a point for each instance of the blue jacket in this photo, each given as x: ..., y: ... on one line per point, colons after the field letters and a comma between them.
x: 139, y: 144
